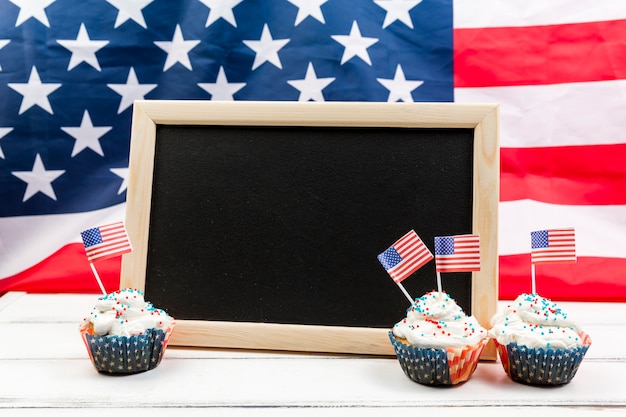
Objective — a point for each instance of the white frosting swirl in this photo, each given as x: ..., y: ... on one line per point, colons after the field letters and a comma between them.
x: 125, y: 313
x: 436, y: 321
x: 535, y: 322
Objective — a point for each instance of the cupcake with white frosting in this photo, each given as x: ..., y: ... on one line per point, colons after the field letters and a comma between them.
x: 437, y: 343
x: 536, y: 341
x: 124, y: 334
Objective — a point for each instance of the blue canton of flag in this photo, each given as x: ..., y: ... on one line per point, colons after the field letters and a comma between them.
x: 389, y: 258
x: 70, y: 72
x: 444, y: 245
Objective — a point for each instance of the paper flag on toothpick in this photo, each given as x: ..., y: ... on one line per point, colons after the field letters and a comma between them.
x: 551, y: 246
x: 404, y: 257
x: 458, y: 253
x: 105, y: 242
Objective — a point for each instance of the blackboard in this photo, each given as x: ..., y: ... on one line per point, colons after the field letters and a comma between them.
x: 271, y: 222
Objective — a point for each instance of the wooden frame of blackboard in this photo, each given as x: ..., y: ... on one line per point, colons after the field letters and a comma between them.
x: 148, y: 114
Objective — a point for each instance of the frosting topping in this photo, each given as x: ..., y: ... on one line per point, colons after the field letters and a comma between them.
x: 435, y: 320
x: 536, y: 322
x: 125, y: 313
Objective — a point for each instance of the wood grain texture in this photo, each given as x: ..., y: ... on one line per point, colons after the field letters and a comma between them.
x: 47, y: 372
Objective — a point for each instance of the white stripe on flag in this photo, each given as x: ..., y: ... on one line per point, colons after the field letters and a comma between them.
x: 490, y: 13
x: 55, y: 231
x: 600, y: 230
x: 586, y: 113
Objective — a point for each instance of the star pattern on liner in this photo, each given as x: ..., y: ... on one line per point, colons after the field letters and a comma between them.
x: 129, y: 9
x: 87, y: 135
x: 311, y: 87
x: 355, y: 45
x: 397, y: 10
x: 308, y: 8
x: 38, y: 179
x: 399, y: 88
x: 177, y: 50
x: 221, y: 9
x: 266, y: 49
x: 221, y: 89
x: 83, y: 49
x: 131, y: 91
x: 35, y: 93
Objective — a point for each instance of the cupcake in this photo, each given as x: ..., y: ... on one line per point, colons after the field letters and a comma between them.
x: 124, y: 334
x: 437, y: 343
x: 537, y: 343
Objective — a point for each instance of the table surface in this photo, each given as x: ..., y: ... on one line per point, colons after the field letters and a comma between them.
x: 45, y: 370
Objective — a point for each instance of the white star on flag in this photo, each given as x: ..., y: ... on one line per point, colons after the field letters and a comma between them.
x: 131, y: 91
x: 32, y: 8
x: 87, y: 136
x: 123, y: 174
x: 3, y: 132
x: 397, y: 10
x: 221, y: 9
x: 266, y: 49
x: 3, y: 43
x: 130, y: 9
x: 38, y: 180
x: 308, y: 8
x: 177, y: 50
x: 399, y: 88
x: 83, y: 49
x: 355, y: 45
x: 221, y: 89
x: 34, y: 93
x: 311, y: 87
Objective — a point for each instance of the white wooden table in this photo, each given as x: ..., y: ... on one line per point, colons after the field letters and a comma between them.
x: 45, y: 370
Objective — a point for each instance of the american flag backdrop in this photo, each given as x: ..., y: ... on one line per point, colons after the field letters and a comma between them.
x: 70, y: 71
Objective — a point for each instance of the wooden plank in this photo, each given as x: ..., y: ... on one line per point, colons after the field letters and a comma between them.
x: 320, y: 410
x: 50, y: 374
x: 22, y: 340
x: 47, y: 308
x: 9, y: 298
x: 289, y: 383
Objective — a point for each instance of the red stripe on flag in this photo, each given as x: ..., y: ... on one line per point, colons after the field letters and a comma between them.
x: 574, y: 175
x: 587, y: 279
x: 534, y: 55
x: 66, y: 271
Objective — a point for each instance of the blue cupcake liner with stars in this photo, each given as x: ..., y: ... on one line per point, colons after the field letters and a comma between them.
x: 537, y: 366
x: 127, y: 354
x: 421, y: 365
